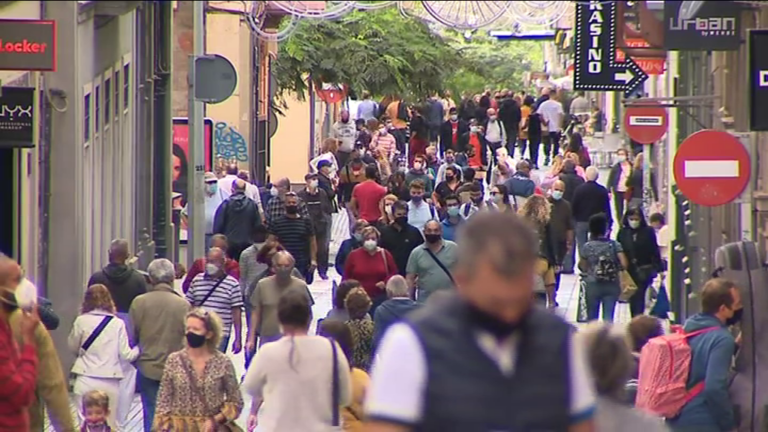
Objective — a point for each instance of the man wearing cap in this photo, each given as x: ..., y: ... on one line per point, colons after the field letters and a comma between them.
x: 320, y: 208
x: 213, y: 200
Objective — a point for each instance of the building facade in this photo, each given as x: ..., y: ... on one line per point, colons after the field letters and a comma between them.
x: 101, y: 155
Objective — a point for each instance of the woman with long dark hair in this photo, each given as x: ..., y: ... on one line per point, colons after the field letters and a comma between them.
x: 180, y: 166
x: 638, y: 240
x: 298, y: 376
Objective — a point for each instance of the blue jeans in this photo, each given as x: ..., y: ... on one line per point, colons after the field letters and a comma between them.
x: 605, y: 294
x: 148, y: 392
x: 581, y: 232
x: 224, y: 344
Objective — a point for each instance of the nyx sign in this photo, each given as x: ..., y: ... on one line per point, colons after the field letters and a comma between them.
x: 17, y: 117
x: 758, y: 81
x: 691, y: 25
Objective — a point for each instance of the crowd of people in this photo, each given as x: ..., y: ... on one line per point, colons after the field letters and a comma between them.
x: 454, y: 244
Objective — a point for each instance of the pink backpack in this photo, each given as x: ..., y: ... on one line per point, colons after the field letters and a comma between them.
x: 665, y: 364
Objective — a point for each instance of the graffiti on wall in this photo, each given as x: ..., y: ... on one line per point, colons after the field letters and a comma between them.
x: 229, y: 144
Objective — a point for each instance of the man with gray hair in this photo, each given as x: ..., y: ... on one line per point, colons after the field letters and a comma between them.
x: 158, y: 325
x: 589, y: 199
x: 394, y: 309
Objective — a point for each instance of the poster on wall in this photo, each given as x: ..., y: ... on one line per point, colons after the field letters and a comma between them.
x: 181, y: 165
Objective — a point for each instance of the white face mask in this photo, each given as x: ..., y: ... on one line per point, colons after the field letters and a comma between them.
x: 417, y: 166
x: 621, y: 158
x: 634, y: 224
x: 454, y: 117
x: 211, y: 269
x: 274, y: 192
x: 370, y: 245
x: 474, y: 129
x: 313, y: 184
x: 26, y: 294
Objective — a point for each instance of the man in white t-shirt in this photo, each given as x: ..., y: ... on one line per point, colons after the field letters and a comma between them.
x: 552, y: 115
x: 485, y: 358
x: 345, y: 131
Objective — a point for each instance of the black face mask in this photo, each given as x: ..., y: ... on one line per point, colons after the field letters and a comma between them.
x: 738, y: 314
x: 195, y: 340
x: 487, y: 322
x: 449, y: 178
x: 433, y: 238
x: 402, y: 220
x: 292, y: 209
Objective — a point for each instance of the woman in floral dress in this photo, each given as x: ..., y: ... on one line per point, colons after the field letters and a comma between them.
x: 199, y: 391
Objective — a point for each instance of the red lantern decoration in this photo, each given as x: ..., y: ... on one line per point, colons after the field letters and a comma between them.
x: 330, y: 93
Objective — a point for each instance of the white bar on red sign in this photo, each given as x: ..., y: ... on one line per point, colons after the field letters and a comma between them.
x: 646, y: 121
x: 711, y: 169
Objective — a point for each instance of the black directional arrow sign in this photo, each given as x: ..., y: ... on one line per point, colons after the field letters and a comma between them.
x: 595, y: 65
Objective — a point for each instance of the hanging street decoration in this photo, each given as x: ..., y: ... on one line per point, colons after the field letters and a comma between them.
x: 595, y: 65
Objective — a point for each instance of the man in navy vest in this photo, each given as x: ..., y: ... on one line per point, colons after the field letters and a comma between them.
x: 484, y: 359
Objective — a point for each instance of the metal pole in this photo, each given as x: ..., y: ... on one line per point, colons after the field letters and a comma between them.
x: 195, y: 198
x: 746, y: 203
x: 162, y: 22
x: 647, y: 189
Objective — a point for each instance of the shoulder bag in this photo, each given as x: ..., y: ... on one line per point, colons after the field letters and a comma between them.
x: 96, y: 332
x: 628, y: 286
x: 442, y: 266
x: 208, y: 295
x: 335, y: 396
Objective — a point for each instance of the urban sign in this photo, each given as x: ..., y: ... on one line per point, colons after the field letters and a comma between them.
x: 712, y: 168
x: 595, y: 65
x: 17, y: 117
x: 646, y: 124
x: 28, y: 45
x: 758, y: 81
x: 693, y: 25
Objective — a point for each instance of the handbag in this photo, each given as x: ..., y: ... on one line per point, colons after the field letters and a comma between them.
x: 581, y: 311
x: 335, y: 396
x: 230, y: 426
x: 628, y: 286
x: 644, y: 273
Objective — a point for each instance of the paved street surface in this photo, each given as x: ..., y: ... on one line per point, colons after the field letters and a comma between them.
x: 567, y: 297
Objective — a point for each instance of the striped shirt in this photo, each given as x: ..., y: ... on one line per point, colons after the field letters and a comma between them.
x: 295, y: 234
x: 224, y: 298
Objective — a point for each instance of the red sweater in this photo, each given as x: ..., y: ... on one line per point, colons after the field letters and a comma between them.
x: 18, y: 380
x: 370, y: 269
x: 231, y: 267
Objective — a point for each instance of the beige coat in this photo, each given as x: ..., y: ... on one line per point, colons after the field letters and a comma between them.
x: 158, y: 319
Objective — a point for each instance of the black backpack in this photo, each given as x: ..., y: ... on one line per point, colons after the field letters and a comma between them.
x: 607, y: 267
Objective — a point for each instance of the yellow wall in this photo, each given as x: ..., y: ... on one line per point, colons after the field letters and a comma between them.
x: 290, y: 144
x: 227, y: 36
x: 26, y: 159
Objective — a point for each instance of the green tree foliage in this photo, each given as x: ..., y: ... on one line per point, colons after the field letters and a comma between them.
x: 489, y: 62
x: 381, y: 51
x: 386, y: 53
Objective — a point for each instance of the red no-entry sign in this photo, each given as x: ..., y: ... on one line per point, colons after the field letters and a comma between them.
x: 712, y: 168
x: 646, y: 124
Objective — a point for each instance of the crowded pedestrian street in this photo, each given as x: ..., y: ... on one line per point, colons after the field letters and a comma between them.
x: 383, y: 216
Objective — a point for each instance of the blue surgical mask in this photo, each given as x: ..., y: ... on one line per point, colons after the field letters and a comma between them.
x: 557, y: 195
x: 453, y: 211
x: 211, y: 188
x: 634, y: 224
x: 358, y: 237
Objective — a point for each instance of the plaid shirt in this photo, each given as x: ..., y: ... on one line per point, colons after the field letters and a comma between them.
x: 276, y: 208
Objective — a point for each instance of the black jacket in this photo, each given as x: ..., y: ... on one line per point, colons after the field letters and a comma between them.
x: 635, y: 182
x: 237, y: 218
x: 434, y: 113
x: 446, y: 136
x: 572, y: 181
x: 326, y: 184
x: 123, y: 283
x: 467, y: 109
x: 589, y: 199
x: 509, y: 114
x: 613, y: 177
x: 639, y: 245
